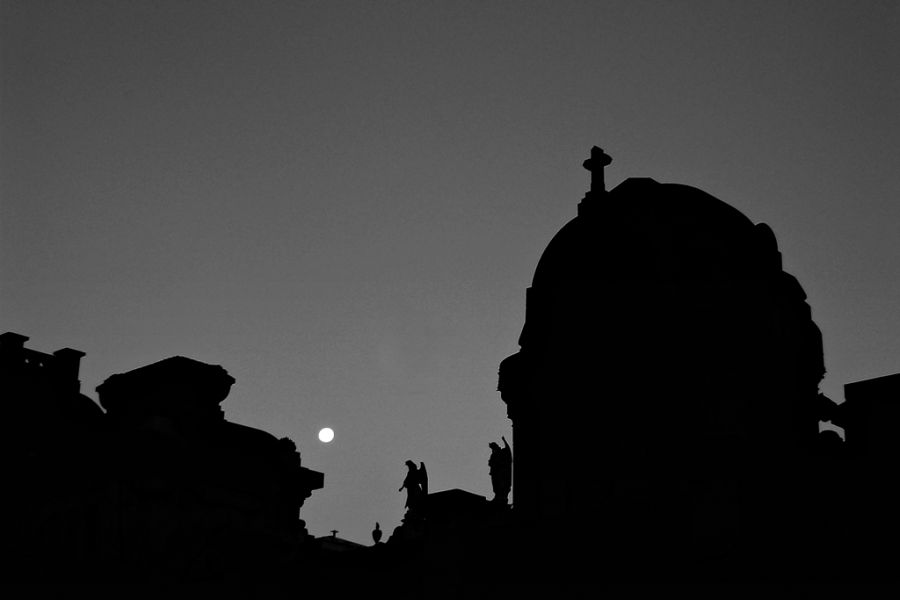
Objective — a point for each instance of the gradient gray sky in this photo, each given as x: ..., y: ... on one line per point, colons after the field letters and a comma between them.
x: 342, y: 203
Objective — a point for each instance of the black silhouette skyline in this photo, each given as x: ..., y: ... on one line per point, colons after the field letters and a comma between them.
x: 698, y: 458
x: 342, y: 205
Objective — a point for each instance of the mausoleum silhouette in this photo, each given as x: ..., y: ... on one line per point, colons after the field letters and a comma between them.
x: 663, y: 334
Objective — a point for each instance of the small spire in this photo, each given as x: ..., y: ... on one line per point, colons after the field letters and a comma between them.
x: 595, y: 164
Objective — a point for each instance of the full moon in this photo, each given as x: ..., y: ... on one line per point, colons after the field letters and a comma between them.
x: 326, y: 434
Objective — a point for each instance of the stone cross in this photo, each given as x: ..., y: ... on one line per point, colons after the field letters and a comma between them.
x: 595, y: 164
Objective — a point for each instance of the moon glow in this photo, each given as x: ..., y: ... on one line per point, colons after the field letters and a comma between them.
x: 326, y: 434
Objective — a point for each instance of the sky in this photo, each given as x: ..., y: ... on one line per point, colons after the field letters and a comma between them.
x: 342, y: 203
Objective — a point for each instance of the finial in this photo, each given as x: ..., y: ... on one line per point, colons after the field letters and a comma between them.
x: 334, y: 533
x: 376, y: 533
x: 595, y: 164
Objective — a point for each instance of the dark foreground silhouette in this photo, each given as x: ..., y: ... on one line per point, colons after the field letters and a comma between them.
x: 661, y: 333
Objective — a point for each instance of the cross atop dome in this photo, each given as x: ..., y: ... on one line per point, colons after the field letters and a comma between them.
x: 595, y: 164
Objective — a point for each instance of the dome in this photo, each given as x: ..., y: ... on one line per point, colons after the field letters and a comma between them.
x: 645, y: 229
x: 661, y: 329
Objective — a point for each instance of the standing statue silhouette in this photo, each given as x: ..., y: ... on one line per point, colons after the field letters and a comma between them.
x: 412, y: 485
x: 500, y: 468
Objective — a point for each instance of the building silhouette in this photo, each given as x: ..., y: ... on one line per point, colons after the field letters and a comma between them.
x: 159, y: 488
x: 661, y: 332
x: 51, y: 464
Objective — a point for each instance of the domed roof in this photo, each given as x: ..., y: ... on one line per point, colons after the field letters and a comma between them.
x: 646, y: 229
